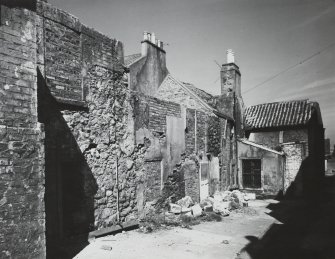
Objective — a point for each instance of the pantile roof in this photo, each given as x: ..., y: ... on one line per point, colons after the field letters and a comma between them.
x: 279, y: 114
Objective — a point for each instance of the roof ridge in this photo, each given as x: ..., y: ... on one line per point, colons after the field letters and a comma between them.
x: 287, y: 101
x: 280, y: 114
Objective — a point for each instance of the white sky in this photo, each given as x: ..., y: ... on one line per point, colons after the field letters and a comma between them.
x: 267, y: 36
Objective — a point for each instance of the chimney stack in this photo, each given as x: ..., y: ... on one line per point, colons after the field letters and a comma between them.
x: 150, y: 38
x: 230, y: 75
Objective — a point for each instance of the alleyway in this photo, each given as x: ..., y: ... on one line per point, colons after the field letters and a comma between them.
x: 208, y: 240
x: 268, y: 229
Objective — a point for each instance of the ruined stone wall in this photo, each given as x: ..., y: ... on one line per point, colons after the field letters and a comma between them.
x: 69, y: 49
x: 200, y: 134
x: 152, y: 122
x: 227, y: 156
x: 214, y: 136
x: 93, y: 168
x: 100, y: 134
x: 21, y: 136
x: 72, y: 68
x: 190, y: 135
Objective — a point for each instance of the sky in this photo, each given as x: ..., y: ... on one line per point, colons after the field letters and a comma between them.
x: 267, y: 36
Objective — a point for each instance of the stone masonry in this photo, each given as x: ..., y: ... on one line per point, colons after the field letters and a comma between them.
x: 80, y: 148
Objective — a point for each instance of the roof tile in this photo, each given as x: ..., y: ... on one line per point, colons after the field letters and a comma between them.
x: 278, y: 114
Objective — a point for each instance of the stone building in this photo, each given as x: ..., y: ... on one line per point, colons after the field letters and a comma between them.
x: 284, y: 148
x: 88, y: 138
x: 191, y: 132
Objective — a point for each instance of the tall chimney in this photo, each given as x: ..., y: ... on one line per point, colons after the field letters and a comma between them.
x: 230, y: 75
x: 154, y: 71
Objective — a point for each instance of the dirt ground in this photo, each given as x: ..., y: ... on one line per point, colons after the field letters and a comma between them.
x: 269, y: 229
x: 222, y: 239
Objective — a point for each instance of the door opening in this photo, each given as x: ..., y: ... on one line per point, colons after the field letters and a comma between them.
x: 251, y: 173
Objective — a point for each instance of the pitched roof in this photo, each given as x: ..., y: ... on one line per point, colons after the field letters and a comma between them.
x: 206, y: 100
x: 128, y: 60
x: 206, y: 97
x: 169, y: 79
x: 279, y: 114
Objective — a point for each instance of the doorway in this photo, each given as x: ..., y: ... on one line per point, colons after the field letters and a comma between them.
x: 251, y: 173
x: 203, y: 177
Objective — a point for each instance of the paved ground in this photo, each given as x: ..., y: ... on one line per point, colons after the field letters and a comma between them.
x: 208, y: 240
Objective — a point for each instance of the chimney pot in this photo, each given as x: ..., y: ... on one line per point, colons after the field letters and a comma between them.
x: 153, y: 38
x: 145, y: 35
x: 230, y: 56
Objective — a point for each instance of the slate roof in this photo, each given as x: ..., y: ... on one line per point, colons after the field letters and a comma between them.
x: 131, y: 58
x: 279, y: 114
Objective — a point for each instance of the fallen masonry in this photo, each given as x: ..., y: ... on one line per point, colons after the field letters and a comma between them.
x: 185, y: 212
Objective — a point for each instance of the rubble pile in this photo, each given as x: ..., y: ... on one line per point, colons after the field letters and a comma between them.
x: 221, y: 203
x: 211, y: 208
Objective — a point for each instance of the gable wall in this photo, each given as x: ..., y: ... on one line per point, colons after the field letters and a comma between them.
x: 170, y: 90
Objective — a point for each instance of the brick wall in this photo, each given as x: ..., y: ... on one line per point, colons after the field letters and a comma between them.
x: 21, y: 152
x: 69, y: 50
x: 75, y: 68
x: 158, y: 110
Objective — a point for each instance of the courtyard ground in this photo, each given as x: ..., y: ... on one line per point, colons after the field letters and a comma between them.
x: 222, y: 239
x: 268, y: 229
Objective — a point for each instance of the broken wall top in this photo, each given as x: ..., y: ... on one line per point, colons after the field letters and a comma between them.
x: 68, y: 49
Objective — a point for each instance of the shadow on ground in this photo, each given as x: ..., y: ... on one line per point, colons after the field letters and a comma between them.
x: 307, y: 229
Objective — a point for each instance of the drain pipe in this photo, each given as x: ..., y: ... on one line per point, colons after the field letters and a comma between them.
x: 117, y: 191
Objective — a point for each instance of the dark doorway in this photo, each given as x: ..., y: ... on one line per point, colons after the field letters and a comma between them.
x: 70, y: 185
x: 251, y: 173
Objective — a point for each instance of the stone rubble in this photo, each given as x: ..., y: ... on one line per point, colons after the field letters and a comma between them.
x: 185, y: 202
x: 196, y: 210
x: 221, y: 203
